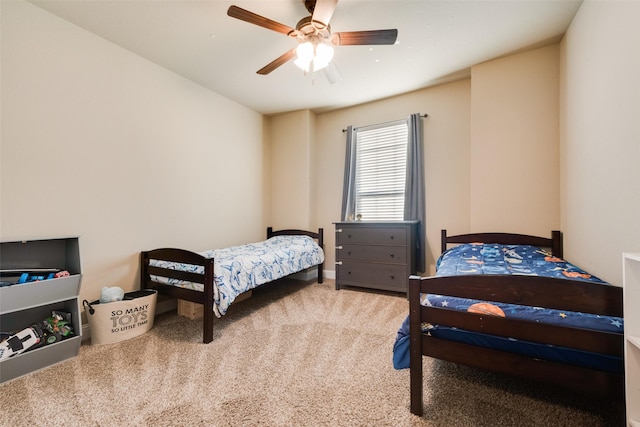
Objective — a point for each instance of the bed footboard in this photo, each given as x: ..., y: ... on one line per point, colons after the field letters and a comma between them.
x: 205, y: 298
x: 525, y: 290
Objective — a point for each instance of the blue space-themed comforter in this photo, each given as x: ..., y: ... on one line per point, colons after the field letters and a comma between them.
x: 472, y: 259
x: 238, y: 269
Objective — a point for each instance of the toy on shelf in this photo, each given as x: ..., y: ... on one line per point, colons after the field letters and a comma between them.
x: 19, y: 342
x: 18, y: 277
x: 53, y: 329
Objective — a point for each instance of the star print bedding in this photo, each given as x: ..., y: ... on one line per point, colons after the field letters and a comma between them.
x: 472, y: 259
x: 241, y: 268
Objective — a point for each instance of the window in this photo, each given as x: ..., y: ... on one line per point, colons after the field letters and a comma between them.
x: 380, y: 171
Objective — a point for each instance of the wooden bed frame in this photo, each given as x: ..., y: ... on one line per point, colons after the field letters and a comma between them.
x: 187, y: 257
x: 564, y: 294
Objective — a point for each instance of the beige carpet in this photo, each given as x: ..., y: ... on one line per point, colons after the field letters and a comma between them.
x: 292, y: 355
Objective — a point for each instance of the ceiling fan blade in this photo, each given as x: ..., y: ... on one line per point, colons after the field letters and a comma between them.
x: 252, y: 18
x: 352, y: 38
x: 323, y: 11
x: 277, y: 62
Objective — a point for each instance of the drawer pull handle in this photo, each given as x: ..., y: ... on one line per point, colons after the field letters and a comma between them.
x: 338, y: 262
x: 349, y: 272
x: 348, y: 252
x: 391, y: 237
x: 392, y: 255
x: 338, y: 247
x: 348, y: 236
x: 393, y: 277
x: 339, y: 230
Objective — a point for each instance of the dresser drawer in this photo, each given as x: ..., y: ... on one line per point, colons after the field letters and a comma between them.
x: 382, y: 276
x: 382, y: 253
x: 371, y: 235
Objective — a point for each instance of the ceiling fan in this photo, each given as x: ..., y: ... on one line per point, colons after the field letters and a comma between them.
x: 314, y: 36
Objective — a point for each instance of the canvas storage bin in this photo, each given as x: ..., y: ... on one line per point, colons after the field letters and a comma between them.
x: 121, y: 320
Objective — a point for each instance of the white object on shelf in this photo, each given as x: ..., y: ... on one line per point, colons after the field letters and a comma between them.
x: 631, y: 282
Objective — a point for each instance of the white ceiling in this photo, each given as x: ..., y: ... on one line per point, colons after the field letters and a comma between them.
x: 438, y: 40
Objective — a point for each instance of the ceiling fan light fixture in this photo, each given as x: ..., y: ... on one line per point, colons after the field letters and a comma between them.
x: 319, y: 55
x: 324, y: 55
x: 305, y: 54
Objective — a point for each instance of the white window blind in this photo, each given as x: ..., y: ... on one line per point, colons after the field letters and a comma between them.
x: 381, y: 163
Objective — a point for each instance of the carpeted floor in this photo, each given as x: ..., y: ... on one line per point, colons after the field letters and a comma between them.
x: 294, y: 354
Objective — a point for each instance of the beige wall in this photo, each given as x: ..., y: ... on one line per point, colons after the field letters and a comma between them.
x: 600, y: 136
x: 292, y: 164
x: 514, y: 144
x: 446, y: 133
x: 99, y: 143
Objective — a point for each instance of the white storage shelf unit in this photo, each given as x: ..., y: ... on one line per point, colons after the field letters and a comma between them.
x: 631, y: 277
x: 25, y: 304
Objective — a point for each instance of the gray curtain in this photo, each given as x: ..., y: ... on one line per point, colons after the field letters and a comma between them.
x: 414, y: 202
x: 348, y: 187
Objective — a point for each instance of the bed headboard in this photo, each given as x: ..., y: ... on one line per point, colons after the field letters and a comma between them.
x: 554, y: 243
x: 319, y: 236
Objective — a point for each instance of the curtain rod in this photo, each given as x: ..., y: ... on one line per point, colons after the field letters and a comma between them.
x: 421, y: 115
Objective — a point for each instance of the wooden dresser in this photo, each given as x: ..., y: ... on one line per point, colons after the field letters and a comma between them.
x: 375, y: 254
